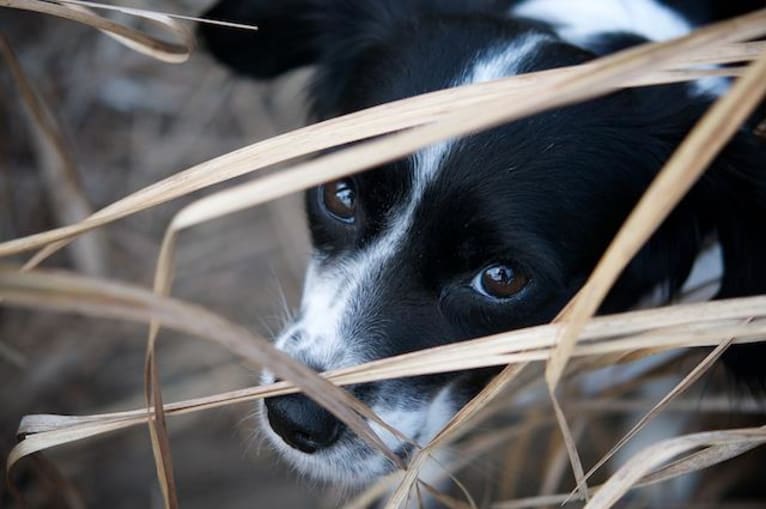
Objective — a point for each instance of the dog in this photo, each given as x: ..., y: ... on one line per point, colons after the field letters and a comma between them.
x: 494, y: 231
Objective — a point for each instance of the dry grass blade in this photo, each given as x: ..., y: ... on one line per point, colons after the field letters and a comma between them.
x: 698, y: 461
x: 380, y: 120
x: 143, y: 12
x: 702, y: 324
x: 153, y: 397
x: 570, y: 445
x: 652, y: 457
x: 558, y: 458
x: 45, y: 431
x: 728, y: 53
x: 444, y: 500
x: 699, y: 370
x: 65, y: 435
x: 92, y: 297
x: 679, y: 174
x: 171, y: 52
x: 59, y: 170
x: 163, y: 459
x: 399, y: 496
x: 726, y: 445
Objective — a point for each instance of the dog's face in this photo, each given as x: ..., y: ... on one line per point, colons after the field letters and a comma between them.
x: 465, y: 238
x: 469, y: 237
x: 489, y: 233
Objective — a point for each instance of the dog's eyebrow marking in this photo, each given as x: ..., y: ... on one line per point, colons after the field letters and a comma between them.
x: 506, y: 60
x: 491, y: 63
x: 426, y: 164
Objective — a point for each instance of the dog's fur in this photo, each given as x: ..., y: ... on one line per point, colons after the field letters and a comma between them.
x: 543, y: 196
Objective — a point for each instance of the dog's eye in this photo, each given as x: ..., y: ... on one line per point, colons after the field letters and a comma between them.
x: 339, y: 199
x: 500, y: 281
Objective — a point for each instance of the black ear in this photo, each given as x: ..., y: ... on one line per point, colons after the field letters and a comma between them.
x: 284, y: 39
x: 294, y: 33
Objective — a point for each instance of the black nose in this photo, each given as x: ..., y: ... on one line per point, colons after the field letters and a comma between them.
x: 303, y: 424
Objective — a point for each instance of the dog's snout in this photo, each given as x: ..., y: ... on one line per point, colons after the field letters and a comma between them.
x: 302, y: 423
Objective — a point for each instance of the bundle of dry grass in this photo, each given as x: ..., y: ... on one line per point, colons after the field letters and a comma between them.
x: 575, y: 344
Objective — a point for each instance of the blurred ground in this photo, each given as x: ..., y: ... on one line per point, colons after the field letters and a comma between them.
x: 131, y: 121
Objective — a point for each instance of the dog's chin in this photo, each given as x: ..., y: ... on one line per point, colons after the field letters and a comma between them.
x: 349, y: 463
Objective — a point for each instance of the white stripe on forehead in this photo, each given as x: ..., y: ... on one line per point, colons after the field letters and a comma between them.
x: 425, y: 166
x: 491, y: 64
x: 504, y: 60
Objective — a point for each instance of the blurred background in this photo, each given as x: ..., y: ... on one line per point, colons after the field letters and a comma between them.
x: 127, y: 121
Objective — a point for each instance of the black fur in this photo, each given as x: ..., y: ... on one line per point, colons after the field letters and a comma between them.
x: 545, y: 194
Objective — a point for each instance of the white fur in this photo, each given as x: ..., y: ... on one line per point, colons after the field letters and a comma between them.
x: 499, y: 62
x: 420, y: 424
x: 426, y: 164
x: 440, y: 412
x: 578, y: 20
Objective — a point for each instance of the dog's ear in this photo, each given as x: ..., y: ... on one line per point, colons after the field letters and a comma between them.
x: 294, y: 33
x: 285, y: 38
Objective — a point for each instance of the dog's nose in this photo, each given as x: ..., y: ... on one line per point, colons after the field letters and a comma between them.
x: 303, y: 424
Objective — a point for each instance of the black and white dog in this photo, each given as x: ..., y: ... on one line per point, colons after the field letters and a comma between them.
x: 495, y: 231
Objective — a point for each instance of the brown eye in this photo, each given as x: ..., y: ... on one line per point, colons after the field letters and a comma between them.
x: 500, y: 281
x: 339, y: 199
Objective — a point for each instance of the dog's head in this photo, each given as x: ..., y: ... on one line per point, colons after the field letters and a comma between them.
x: 469, y: 237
